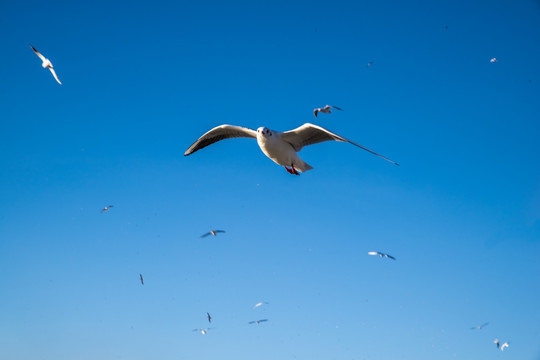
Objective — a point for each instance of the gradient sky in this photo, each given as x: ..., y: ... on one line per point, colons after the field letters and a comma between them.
x: 143, y: 80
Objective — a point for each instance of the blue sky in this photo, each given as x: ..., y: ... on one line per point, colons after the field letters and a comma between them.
x: 143, y: 80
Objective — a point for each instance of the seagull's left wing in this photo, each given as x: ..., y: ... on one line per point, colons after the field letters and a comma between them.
x: 56, y: 77
x: 309, y: 134
x: 220, y: 133
x: 390, y: 256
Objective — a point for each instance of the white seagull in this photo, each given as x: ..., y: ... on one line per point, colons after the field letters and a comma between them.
x: 381, y: 254
x: 493, y: 60
x: 479, y: 327
x: 203, y: 331
x: 325, y: 110
x: 259, y: 304
x: 280, y: 147
x: 106, y: 208
x: 257, y: 321
x: 46, y: 63
x: 212, y: 232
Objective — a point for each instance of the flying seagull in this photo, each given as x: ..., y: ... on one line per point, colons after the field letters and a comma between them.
x: 212, y: 232
x: 381, y: 254
x: 280, y: 147
x: 493, y: 60
x: 369, y: 64
x: 505, y: 345
x: 479, y: 327
x: 46, y: 63
x: 325, y: 110
x: 203, y: 331
x: 142, y: 279
x: 260, y: 304
x: 106, y: 208
x: 209, y: 318
x: 496, y: 341
x: 257, y: 321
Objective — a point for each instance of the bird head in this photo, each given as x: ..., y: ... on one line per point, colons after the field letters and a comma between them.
x: 265, y: 132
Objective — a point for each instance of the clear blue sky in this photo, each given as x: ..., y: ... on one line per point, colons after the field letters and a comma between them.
x: 143, y: 80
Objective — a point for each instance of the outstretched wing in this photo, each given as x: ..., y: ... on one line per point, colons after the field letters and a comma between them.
x: 220, y: 133
x: 309, y: 134
x: 56, y: 77
x: 38, y: 53
x: 390, y: 256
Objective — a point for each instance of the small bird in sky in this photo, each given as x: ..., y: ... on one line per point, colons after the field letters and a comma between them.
x: 493, y: 60
x: 369, y: 63
x: 280, y: 147
x: 504, y: 346
x: 327, y: 109
x: 381, y: 254
x: 142, y: 279
x: 259, y: 304
x: 257, y: 321
x: 496, y: 341
x: 106, y: 208
x: 212, y: 232
x: 203, y: 331
x: 46, y: 63
x: 479, y: 327
x: 209, y: 318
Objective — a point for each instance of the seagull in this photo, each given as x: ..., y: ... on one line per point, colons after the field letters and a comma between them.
x: 369, y: 63
x: 203, y: 331
x: 381, y: 254
x: 505, y: 345
x: 493, y: 60
x: 106, y: 208
x: 209, y: 318
x: 257, y: 321
x: 142, y: 279
x: 260, y: 304
x: 479, y: 327
x: 212, y: 232
x: 280, y: 147
x: 327, y: 109
x: 46, y: 63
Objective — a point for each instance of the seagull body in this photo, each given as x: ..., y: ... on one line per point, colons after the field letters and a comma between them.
x: 505, y: 345
x: 106, y: 208
x: 257, y: 321
x: 46, y: 63
x: 280, y: 147
x: 142, y: 279
x: 212, y: 232
x: 209, y: 318
x: 327, y: 109
x: 203, y: 331
x: 259, y: 304
x: 493, y: 60
x: 479, y: 327
x: 381, y: 254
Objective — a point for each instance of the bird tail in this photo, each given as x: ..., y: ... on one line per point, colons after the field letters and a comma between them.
x: 302, y: 166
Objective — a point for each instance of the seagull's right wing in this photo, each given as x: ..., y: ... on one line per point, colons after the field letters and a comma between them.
x: 205, y: 235
x: 38, y: 53
x: 220, y: 133
x: 391, y: 257
x: 54, y: 74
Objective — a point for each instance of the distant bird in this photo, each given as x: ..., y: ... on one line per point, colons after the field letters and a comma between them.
x: 142, y: 279
x: 203, y: 331
x: 327, y: 109
x: 381, y: 254
x: 259, y: 304
x: 496, y: 341
x: 209, y: 318
x: 257, y: 321
x: 280, y: 147
x: 505, y: 345
x: 493, y: 60
x: 212, y: 232
x: 479, y: 327
x: 46, y: 63
x: 106, y: 208
x: 369, y: 63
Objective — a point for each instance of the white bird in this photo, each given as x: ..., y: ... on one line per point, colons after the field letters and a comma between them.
x: 46, y: 63
x: 212, y: 232
x: 259, y: 304
x: 257, y: 321
x: 325, y: 110
x: 280, y: 147
x: 106, y: 208
x: 505, y: 345
x: 493, y: 60
x: 203, y: 331
x: 479, y: 327
x: 381, y: 254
